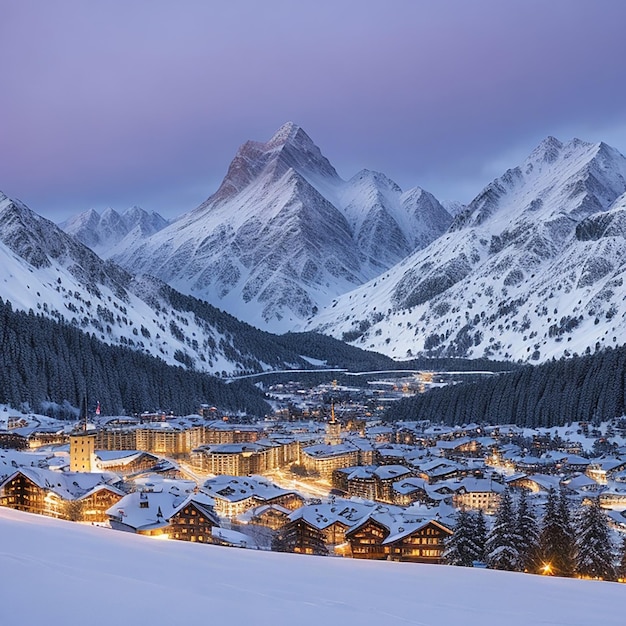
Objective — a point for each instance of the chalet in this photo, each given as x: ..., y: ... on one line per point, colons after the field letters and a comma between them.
x: 66, y: 495
x: 146, y: 513
x: 194, y: 519
x: 582, y: 484
x: 366, y: 539
x: 462, y: 447
x: 417, y: 490
x: 399, y: 537
x: 125, y: 462
x: 272, y: 516
x: 478, y: 493
x: 386, y: 476
x: 439, y: 469
x: 234, y: 494
x: 358, y: 481
x: 534, y: 482
x: 326, y: 523
x: 601, y: 470
x: 238, y: 459
x: 419, y: 542
x: 10, y: 439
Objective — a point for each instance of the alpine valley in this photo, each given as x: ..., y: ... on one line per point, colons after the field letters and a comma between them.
x: 531, y: 269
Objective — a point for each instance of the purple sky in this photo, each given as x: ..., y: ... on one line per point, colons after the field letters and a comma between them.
x: 145, y: 102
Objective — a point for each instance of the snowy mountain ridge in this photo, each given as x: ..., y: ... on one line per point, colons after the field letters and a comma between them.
x: 284, y: 234
x: 104, y: 233
x: 45, y: 270
x: 532, y: 268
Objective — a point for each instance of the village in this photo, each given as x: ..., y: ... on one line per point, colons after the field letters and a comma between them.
x: 319, y: 477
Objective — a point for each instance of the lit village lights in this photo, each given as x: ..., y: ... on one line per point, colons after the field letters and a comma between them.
x: 336, y: 481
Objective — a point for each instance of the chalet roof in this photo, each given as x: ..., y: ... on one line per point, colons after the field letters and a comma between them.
x: 388, y: 472
x: 545, y: 481
x: 201, y: 502
x: 321, y: 516
x: 409, y: 485
x: 68, y: 485
x: 11, y: 460
x: 238, y: 488
x: 580, y: 481
x: 470, y: 484
x: 404, y: 529
x: 111, y: 458
x: 143, y: 511
x: 360, y: 471
x: 236, y: 448
x: 251, y: 514
x: 453, y: 444
x: 322, y: 450
x: 401, y: 522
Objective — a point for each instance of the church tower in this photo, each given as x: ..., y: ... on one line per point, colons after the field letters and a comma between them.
x: 333, y: 428
x: 82, y: 446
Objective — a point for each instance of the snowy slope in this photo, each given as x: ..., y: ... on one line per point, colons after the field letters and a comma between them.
x: 532, y: 268
x: 69, y: 568
x: 284, y: 234
x: 104, y: 233
x: 44, y: 269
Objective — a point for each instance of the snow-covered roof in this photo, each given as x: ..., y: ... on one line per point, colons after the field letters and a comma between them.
x: 237, y: 488
x: 479, y: 485
x: 322, y: 450
x: 321, y: 516
x: 143, y: 511
x: 68, y: 485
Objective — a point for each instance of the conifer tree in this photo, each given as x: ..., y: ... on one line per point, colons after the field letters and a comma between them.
x: 461, y: 548
x: 480, y: 535
x: 502, y: 540
x: 556, y: 540
x: 595, y: 550
x: 528, y: 533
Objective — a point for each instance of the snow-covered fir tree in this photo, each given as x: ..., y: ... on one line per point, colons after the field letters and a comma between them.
x: 502, y: 540
x: 480, y: 535
x: 595, y: 549
x: 557, y: 548
x: 461, y: 548
x: 528, y: 533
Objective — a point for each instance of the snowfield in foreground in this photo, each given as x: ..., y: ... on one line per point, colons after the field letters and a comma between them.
x: 54, y: 572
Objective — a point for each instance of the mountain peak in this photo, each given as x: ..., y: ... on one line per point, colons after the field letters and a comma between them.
x: 287, y: 133
x: 547, y: 151
x: 289, y: 148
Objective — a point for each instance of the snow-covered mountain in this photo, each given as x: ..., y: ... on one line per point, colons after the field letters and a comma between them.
x: 534, y: 267
x: 284, y: 234
x: 45, y: 270
x: 104, y: 233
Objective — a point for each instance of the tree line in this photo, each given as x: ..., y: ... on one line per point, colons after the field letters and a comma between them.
x: 589, y: 388
x: 50, y: 366
x: 564, y: 543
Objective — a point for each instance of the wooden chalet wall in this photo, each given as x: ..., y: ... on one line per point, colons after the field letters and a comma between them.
x: 193, y: 523
x: 423, y: 546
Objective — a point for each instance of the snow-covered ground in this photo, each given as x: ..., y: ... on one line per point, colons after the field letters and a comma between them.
x: 54, y: 572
